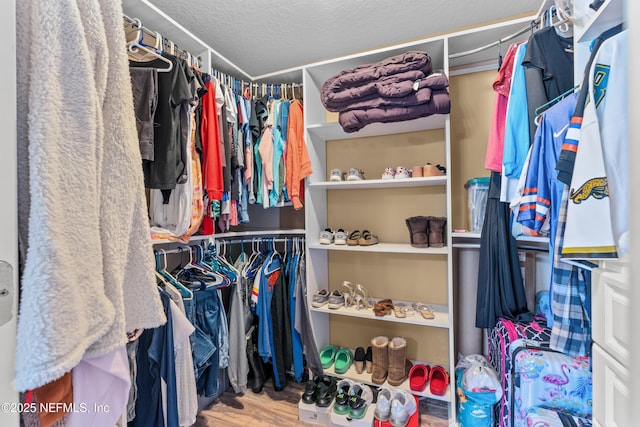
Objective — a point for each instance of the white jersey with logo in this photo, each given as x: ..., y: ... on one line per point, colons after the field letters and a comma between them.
x: 597, y: 219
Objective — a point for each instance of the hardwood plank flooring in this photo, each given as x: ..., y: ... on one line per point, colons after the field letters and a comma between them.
x: 271, y: 408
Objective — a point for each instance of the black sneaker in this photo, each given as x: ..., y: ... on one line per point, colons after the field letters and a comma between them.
x: 311, y: 390
x: 327, y: 390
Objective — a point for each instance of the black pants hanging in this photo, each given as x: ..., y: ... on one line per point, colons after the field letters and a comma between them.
x: 500, y: 286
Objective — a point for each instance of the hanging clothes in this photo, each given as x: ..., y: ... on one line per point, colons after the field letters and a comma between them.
x: 500, y: 286
x: 100, y: 197
x: 298, y: 161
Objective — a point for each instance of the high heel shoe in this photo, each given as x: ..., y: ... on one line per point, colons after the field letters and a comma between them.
x: 348, y: 295
x: 365, y: 296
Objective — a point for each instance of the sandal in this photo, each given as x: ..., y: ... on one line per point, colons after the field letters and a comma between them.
x: 398, y: 311
x: 425, y: 310
x: 328, y: 355
x: 344, y: 359
x: 383, y: 307
x: 349, y: 297
x: 354, y: 238
x: 368, y: 239
x: 439, y: 380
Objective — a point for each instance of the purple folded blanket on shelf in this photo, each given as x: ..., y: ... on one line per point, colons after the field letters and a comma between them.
x: 354, y: 120
x: 333, y: 93
x: 402, y: 94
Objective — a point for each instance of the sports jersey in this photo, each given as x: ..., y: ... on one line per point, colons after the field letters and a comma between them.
x: 591, y: 213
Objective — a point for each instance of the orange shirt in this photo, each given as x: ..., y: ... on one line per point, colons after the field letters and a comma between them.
x: 298, y: 162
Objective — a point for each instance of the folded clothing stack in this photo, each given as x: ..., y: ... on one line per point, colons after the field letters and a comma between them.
x: 402, y: 87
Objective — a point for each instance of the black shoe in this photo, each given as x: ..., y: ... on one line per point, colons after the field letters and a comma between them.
x: 327, y: 389
x: 259, y: 376
x: 311, y: 390
x: 368, y: 359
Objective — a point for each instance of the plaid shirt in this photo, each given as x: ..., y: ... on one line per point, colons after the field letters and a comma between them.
x: 570, y: 297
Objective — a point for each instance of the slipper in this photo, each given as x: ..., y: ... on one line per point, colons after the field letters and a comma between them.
x: 383, y: 307
x: 439, y: 380
x: 354, y: 237
x: 425, y: 310
x: 399, y: 312
x: 419, y: 376
x: 328, y: 355
x: 368, y: 239
x: 343, y: 361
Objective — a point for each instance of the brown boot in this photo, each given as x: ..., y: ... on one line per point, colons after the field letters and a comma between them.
x: 397, y: 361
x: 380, y: 345
x: 437, y: 231
x: 418, y: 231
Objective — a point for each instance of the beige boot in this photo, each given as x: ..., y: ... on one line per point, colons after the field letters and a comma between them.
x: 397, y: 361
x: 379, y: 346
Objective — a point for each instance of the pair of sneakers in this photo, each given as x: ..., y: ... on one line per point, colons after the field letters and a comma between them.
x: 400, y: 172
x: 329, y: 236
x: 395, y: 405
x: 352, y: 399
x: 353, y: 174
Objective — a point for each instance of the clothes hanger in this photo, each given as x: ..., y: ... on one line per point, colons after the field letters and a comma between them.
x: 162, y: 272
x: 136, y: 45
x: 544, y: 107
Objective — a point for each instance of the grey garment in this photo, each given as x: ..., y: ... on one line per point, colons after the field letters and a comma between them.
x: 132, y: 350
x: 302, y: 323
x: 240, y: 318
x: 145, y: 100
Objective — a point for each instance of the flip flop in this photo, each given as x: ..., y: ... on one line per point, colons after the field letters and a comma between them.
x: 398, y: 311
x: 328, y: 355
x: 439, y: 380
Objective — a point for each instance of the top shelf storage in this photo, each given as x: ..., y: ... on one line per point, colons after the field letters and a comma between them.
x: 333, y: 130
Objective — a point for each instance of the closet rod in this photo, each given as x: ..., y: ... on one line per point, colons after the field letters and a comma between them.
x: 496, y: 43
x: 260, y: 240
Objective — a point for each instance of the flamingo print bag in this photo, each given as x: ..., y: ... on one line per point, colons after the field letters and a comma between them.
x: 544, y: 378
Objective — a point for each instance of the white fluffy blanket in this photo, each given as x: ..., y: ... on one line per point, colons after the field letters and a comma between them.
x: 88, y: 264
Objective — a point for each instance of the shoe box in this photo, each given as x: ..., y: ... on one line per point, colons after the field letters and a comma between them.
x: 343, y: 420
x: 414, y: 421
x: 312, y: 414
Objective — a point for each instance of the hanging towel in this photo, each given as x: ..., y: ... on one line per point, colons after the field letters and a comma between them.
x: 84, y: 233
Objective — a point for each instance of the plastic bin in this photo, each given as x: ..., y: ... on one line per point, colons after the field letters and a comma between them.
x: 477, y: 192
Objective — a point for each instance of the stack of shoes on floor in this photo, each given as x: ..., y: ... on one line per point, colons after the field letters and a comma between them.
x: 427, y: 231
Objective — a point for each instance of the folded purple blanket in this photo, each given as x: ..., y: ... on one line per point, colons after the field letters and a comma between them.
x: 360, y: 76
x: 401, y: 94
x: 354, y: 120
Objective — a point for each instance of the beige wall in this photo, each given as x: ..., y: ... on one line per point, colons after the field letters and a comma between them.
x: 409, y: 277
x: 472, y: 99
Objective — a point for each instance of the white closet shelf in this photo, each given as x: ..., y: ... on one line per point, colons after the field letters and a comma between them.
x: 609, y: 15
x: 402, y: 248
x: 426, y: 181
x: 333, y: 130
x: 440, y: 312
x: 366, y: 379
x: 253, y: 233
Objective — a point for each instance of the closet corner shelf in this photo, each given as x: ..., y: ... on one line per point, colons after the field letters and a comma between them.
x: 609, y: 15
x: 403, y: 248
x: 441, y: 313
x: 426, y: 181
x: 333, y: 130
x: 366, y: 379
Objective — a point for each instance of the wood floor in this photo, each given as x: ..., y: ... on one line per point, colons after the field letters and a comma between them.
x: 271, y: 408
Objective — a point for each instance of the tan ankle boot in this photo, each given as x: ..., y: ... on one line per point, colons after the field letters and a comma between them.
x: 397, y: 361
x: 379, y: 346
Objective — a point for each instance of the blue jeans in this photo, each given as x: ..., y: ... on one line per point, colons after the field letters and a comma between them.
x: 203, y: 312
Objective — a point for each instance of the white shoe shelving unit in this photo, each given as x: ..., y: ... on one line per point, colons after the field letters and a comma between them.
x: 319, y: 131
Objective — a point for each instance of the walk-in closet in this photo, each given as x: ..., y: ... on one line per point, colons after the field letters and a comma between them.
x: 333, y: 214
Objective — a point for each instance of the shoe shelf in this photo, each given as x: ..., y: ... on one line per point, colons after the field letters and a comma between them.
x: 366, y: 379
x: 333, y: 130
x: 441, y: 313
x: 402, y: 248
x: 427, y: 181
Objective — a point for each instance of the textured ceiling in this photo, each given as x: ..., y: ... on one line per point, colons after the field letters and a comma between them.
x: 263, y: 36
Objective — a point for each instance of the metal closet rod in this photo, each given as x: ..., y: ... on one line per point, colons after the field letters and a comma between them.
x: 496, y: 43
x: 183, y: 249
